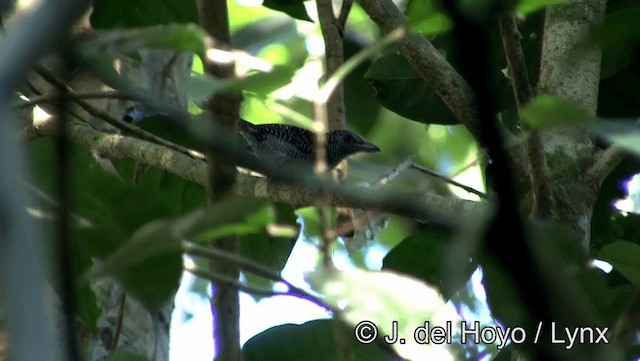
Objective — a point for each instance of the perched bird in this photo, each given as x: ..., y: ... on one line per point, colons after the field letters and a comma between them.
x: 286, y: 145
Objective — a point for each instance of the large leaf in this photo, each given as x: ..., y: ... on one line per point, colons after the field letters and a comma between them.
x: 400, y: 89
x: 390, y: 301
x: 361, y: 106
x: 135, y: 13
x: 624, y: 256
x: 423, y: 255
x: 179, y: 37
x: 426, y: 17
x: 311, y: 341
x: 547, y: 110
x: 271, y: 250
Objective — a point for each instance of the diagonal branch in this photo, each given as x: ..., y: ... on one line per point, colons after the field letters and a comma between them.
x: 428, y: 63
x: 606, y: 162
x: 538, y: 168
x: 123, y: 126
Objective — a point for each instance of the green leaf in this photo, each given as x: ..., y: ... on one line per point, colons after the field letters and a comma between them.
x: 545, y: 111
x: 624, y: 256
x: 265, y: 82
x: 382, y: 298
x: 293, y: 8
x: 425, y: 16
x: 528, y: 6
x: 313, y: 340
x: 423, y: 255
x: 360, y: 103
x: 400, y: 89
x: 154, y: 280
x: 271, y: 250
x: 178, y: 37
x: 149, y: 264
x: 135, y: 13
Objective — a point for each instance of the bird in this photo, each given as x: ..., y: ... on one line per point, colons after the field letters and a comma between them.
x: 279, y: 145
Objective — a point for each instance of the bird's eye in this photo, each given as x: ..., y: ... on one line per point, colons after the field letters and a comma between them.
x: 348, y: 138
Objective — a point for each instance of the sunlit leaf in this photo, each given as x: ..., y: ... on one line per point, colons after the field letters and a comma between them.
x: 382, y: 298
x: 529, y: 6
x: 179, y: 37
x: 547, y: 110
x: 425, y: 16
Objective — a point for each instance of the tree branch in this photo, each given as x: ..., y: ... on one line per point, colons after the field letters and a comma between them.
x: 442, y: 211
x: 606, y: 163
x: 332, y: 32
x: 538, y: 168
x: 428, y: 63
x: 123, y: 126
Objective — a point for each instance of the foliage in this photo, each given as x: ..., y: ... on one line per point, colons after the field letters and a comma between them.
x: 135, y: 229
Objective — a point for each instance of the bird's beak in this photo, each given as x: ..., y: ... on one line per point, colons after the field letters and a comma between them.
x: 369, y: 148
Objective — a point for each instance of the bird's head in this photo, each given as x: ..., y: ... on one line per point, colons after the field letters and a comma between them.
x: 343, y: 143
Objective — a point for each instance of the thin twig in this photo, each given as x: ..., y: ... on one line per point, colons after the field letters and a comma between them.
x: 51, y: 98
x: 435, y: 174
x: 394, y: 173
x: 217, y: 255
x: 218, y: 278
x: 193, y: 249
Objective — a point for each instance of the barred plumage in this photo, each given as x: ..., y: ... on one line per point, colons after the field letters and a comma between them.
x: 287, y: 145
